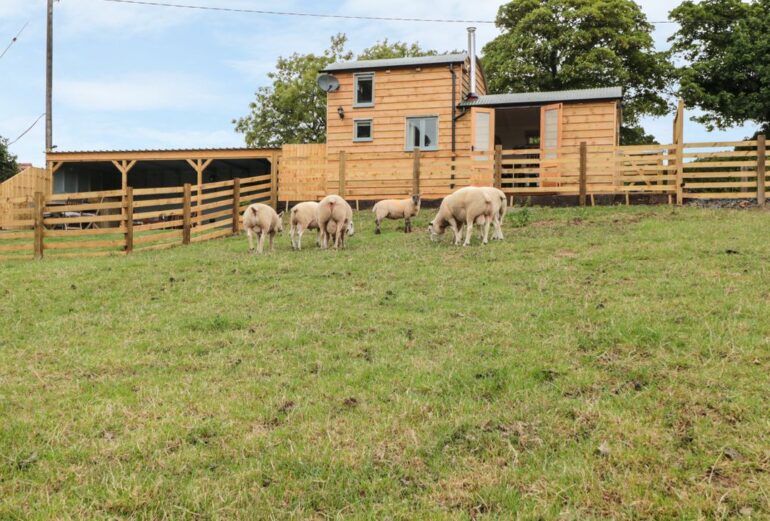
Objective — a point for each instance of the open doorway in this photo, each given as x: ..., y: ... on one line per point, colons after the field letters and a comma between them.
x: 518, y: 128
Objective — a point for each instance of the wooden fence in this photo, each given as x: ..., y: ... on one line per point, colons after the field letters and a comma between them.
x: 119, y: 222
x: 18, y: 192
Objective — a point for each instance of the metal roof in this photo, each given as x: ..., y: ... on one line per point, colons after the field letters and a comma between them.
x: 391, y: 63
x: 527, y: 98
x: 161, y: 150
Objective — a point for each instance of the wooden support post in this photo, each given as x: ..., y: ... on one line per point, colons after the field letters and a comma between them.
x: 274, y: 181
x: 236, y: 205
x: 498, y: 166
x: 199, y: 165
x: 583, y: 172
x: 761, y: 169
x: 679, y: 142
x: 129, y: 207
x: 186, y: 211
x: 342, y: 174
x: 39, y: 228
x: 416, y: 172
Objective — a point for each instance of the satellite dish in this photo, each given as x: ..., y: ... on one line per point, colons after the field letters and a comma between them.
x: 328, y: 83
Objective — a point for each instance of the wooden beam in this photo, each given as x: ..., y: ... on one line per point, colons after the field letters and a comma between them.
x: 129, y: 236
x: 761, y: 169
x: 39, y: 229
x: 162, y: 155
x: 342, y: 174
x: 416, y: 172
x: 583, y: 172
x: 679, y: 142
x: 186, y: 211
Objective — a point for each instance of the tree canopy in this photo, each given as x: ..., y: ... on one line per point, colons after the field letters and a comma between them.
x: 8, y: 165
x: 293, y: 108
x: 724, y: 48
x: 575, y: 44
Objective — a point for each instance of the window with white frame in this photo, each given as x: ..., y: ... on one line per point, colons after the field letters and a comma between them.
x: 363, y: 95
x: 422, y: 133
x: 362, y: 130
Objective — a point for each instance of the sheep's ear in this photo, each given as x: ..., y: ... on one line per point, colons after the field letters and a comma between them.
x: 280, y: 214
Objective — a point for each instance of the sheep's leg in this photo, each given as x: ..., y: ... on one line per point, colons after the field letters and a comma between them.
x: 377, y: 222
x: 468, y: 231
x: 338, y: 237
x: 457, y: 232
x: 300, y: 232
x: 250, y: 235
x: 407, y: 225
x: 499, y: 229
x: 318, y: 238
x: 292, y: 231
x: 261, y: 245
x: 272, y: 234
x: 487, y: 224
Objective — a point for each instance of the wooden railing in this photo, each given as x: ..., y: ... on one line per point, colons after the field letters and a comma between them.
x: 119, y: 222
x: 16, y: 193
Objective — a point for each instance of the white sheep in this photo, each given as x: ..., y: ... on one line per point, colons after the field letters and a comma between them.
x: 304, y: 217
x: 465, y: 207
x: 397, y: 209
x: 263, y: 220
x: 334, y: 216
x: 499, y: 209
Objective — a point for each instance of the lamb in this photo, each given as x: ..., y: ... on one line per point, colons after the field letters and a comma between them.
x: 397, y: 209
x: 334, y: 216
x: 261, y: 219
x: 499, y: 209
x: 303, y: 218
x: 466, y: 206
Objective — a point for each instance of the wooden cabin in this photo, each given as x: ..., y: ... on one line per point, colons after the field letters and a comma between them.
x: 431, y: 103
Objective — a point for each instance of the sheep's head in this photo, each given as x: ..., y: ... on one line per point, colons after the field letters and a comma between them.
x: 436, y: 228
x: 279, y: 227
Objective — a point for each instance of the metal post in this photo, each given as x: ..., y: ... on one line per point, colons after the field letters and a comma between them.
x: 49, y: 81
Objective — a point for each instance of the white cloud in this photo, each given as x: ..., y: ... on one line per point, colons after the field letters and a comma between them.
x: 135, y: 93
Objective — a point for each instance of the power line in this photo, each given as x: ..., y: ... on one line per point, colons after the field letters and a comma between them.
x: 315, y: 15
x: 27, y: 131
x: 14, y: 39
x: 289, y: 13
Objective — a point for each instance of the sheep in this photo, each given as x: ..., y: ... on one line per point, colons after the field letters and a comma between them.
x: 304, y: 217
x: 466, y: 206
x: 499, y: 209
x: 261, y: 219
x: 334, y: 216
x: 397, y: 209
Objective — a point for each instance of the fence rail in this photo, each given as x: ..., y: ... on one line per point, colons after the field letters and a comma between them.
x: 119, y: 222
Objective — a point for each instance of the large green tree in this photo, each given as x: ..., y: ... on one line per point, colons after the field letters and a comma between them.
x: 8, y: 165
x: 293, y: 109
x: 724, y: 49
x: 575, y: 44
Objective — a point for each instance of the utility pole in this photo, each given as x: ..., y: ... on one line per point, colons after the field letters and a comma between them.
x: 49, y: 81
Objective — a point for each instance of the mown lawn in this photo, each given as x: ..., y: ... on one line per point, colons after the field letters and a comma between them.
x: 600, y: 363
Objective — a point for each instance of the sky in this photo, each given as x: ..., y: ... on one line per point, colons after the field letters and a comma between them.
x: 139, y: 77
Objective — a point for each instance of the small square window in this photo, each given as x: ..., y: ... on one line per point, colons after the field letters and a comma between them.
x: 422, y: 133
x: 364, y: 90
x: 362, y: 130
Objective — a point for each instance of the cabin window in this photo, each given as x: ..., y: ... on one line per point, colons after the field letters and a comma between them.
x: 364, y: 90
x: 422, y: 133
x: 362, y: 130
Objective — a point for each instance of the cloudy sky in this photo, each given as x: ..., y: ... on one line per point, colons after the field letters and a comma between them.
x: 131, y: 76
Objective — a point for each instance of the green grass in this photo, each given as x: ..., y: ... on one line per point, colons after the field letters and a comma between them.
x: 600, y: 363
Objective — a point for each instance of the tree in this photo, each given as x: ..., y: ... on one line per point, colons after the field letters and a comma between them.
x: 8, y: 165
x: 724, y: 46
x: 384, y: 49
x: 576, y: 44
x: 293, y: 108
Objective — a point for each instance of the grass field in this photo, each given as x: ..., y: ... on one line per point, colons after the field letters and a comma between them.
x: 600, y: 363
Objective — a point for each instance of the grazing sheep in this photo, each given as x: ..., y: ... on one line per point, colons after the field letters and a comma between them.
x: 499, y: 209
x: 334, y: 216
x: 397, y: 209
x: 465, y: 207
x: 261, y: 219
x: 303, y: 218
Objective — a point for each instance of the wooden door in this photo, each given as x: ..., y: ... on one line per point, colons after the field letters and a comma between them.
x: 483, y: 145
x: 550, y: 140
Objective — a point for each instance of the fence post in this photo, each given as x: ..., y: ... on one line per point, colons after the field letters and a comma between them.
x: 186, y: 210
x: 679, y: 142
x: 129, y: 204
x: 416, y: 172
x: 236, y: 205
x: 498, y: 166
x: 761, y: 169
x: 583, y: 172
x: 342, y: 174
x: 39, y: 230
x: 274, y: 182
